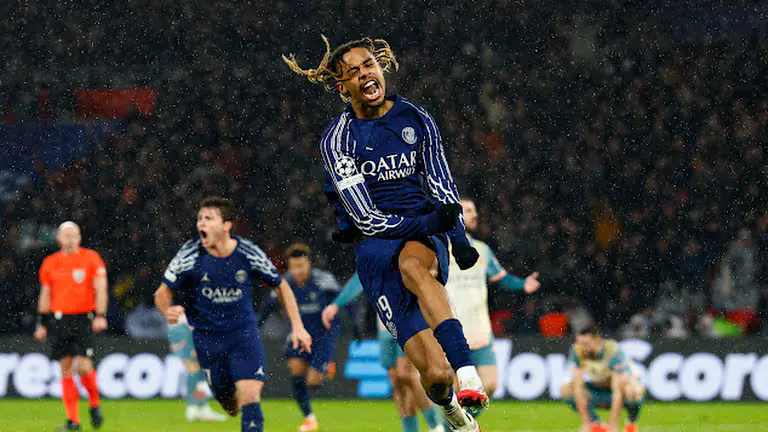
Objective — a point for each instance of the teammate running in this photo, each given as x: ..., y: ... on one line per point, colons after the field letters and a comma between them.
x: 394, y: 197
x: 602, y: 377
x: 72, y: 307
x: 407, y: 392
x: 314, y: 289
x: 211, y: 279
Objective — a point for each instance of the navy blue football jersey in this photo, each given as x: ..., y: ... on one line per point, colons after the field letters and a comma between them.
x: 319, y: 291
x: 385, y: 175
x: 216, y: 292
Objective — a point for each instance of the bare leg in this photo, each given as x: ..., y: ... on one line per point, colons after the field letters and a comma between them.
x: 436, y: 376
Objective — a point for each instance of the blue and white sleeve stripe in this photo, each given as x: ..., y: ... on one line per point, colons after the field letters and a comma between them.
x: 436, y: 171
x: 260, y: 263
x: 181, y: 264
x: 337, y: 149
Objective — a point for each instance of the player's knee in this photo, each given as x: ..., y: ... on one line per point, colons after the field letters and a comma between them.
x: 402, y: 378
x: 67, y: 367
x: 84, y: 368
x: 490, y: 385
x: 411, y: 267
x: 315, y: 380
x: 248, y: 392
x: 633, y: 392
x: 439, y: 376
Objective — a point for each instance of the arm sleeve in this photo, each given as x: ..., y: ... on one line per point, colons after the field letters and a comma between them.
x: 45, y: 279
x: 619, y: 362
x: 99, y: 268
x: 337, y: 149
x: 181, y: 265
x: 327, y: 283
x: 351, y: 291
x: 342, y: 218
x: 261, y: 266
x: 497, y: 274
x: 438, y: 175
x: 511, y: 283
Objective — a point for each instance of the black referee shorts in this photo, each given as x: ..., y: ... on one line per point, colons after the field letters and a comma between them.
x: 70, y: 335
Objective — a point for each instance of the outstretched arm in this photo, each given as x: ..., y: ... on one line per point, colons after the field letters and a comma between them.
x: 497, y: 274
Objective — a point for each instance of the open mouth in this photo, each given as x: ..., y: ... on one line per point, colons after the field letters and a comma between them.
x: 371, y: 90
x: 203, y: 235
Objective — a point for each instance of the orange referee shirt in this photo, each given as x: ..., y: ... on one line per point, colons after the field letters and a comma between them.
x: 71, y: 280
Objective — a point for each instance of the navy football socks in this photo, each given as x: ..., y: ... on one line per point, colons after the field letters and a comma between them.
x: 450, y: 335
x: 301, y: 394
x: 252, y: 419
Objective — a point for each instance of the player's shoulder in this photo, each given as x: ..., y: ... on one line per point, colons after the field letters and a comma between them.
x: 255, y: 256
x: 612, y: 346
x: 334, y: 126
x: 189, y: 248
x: 409, y: 104
x: 49, y: 260
x: 479, y: 244
x: 323, y: 277
x: 52, y: 257
x: 248, y: 247
x: 90, y: 253
x: 576, y: 350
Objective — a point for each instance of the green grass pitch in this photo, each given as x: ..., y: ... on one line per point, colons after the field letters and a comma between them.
x: 368, y: 416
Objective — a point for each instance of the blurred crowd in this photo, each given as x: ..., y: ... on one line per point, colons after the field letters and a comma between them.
x: 624, y: 161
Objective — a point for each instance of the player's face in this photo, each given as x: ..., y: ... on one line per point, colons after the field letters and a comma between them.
x: 590, y: 345
x: 211, y: 226
x: 69, y: 238
x: 299, y: 268
x: 470, y: 214
x: 365, y: 85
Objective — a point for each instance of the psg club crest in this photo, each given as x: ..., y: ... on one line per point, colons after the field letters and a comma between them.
x: 78, y: 275
x: 241, y: 276
x: 392, y: 329
x: 409, y: 135
x: 345, y: 166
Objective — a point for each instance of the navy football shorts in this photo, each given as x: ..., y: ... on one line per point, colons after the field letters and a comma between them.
x: 377, y: 267
x: 229, y: 357
x: 322, y: 351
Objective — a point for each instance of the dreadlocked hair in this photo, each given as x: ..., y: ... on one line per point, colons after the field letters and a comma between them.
x: 329, y: 71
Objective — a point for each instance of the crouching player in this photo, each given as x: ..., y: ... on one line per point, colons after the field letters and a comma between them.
x: 314, y: 289
x: 602, y: 377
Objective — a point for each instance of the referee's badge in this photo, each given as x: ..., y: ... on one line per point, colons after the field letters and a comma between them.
x: 78, y: 275
x: 409, y: 135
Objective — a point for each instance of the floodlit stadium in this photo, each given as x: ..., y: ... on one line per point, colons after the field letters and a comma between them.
x: 338, y: 216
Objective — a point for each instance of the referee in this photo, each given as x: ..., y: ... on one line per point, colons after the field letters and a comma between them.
x: 72, y: 306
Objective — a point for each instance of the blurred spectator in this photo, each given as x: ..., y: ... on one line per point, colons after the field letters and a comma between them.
x: 527, y: 321
x: 736, y: 289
